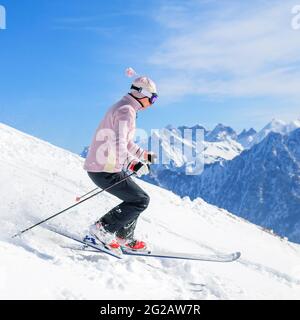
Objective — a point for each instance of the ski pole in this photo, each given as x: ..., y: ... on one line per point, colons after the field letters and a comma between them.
x: 79, y: 198
x: 74, y: 205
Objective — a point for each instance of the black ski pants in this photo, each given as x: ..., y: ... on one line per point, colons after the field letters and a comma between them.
x: 122, y: 219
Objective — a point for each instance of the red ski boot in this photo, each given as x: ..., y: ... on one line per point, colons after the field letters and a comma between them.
x: 107, y: 238
x: 132, y: 244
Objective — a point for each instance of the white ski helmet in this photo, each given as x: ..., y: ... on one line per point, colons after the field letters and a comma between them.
x: 145, y: 83
x: 144, y: 86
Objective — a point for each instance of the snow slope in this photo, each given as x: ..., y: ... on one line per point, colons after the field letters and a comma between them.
x: 38, y: 179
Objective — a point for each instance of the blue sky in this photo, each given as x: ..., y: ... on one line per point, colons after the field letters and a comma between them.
x: 62, y: 63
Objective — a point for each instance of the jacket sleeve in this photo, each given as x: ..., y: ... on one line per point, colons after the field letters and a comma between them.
x: 136, y: 150
x: 124, y: 124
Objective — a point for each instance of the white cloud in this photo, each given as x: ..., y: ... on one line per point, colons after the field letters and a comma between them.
x: 234, y: 50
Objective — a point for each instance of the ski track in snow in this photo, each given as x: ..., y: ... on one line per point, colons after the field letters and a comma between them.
x: 255, y: 266
x: 39, y: 179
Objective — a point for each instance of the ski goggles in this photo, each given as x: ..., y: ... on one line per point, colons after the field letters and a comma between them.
x: 151, y: 96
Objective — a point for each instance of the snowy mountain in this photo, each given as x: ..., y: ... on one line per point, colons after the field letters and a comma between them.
x: 177, y: 145
x: 261, y: 185
x: 246, y: 137
x: 193, y: 128
x: 222, y: 150
x: 277, y: 126
x: 221, y: 133
x: 179, y: 151
x: 39, y: 179
x: 293, y: 126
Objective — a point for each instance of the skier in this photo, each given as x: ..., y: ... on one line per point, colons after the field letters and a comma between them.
x: 111, y: 153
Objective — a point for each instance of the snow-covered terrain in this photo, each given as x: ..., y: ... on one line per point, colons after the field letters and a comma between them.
x: 246, y: 137
x: 262, y: 184
x: 277, y: 126
x: 177, y: 145
x: 221, y: 133
x: 38, y: 179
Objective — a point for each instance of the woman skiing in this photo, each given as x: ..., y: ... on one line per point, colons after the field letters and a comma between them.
x: 111, y: 153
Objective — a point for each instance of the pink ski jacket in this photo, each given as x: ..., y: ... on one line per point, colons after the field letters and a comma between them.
x: 112, y: 148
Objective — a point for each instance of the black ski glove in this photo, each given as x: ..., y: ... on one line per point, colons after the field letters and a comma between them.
x: 151, y: 157
x: 139, y: 168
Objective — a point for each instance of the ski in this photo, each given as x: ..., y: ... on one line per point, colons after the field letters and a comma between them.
x: 79, y: 247
x: 210, y: 258
x: 185, y: 256
x: 88, y: 241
